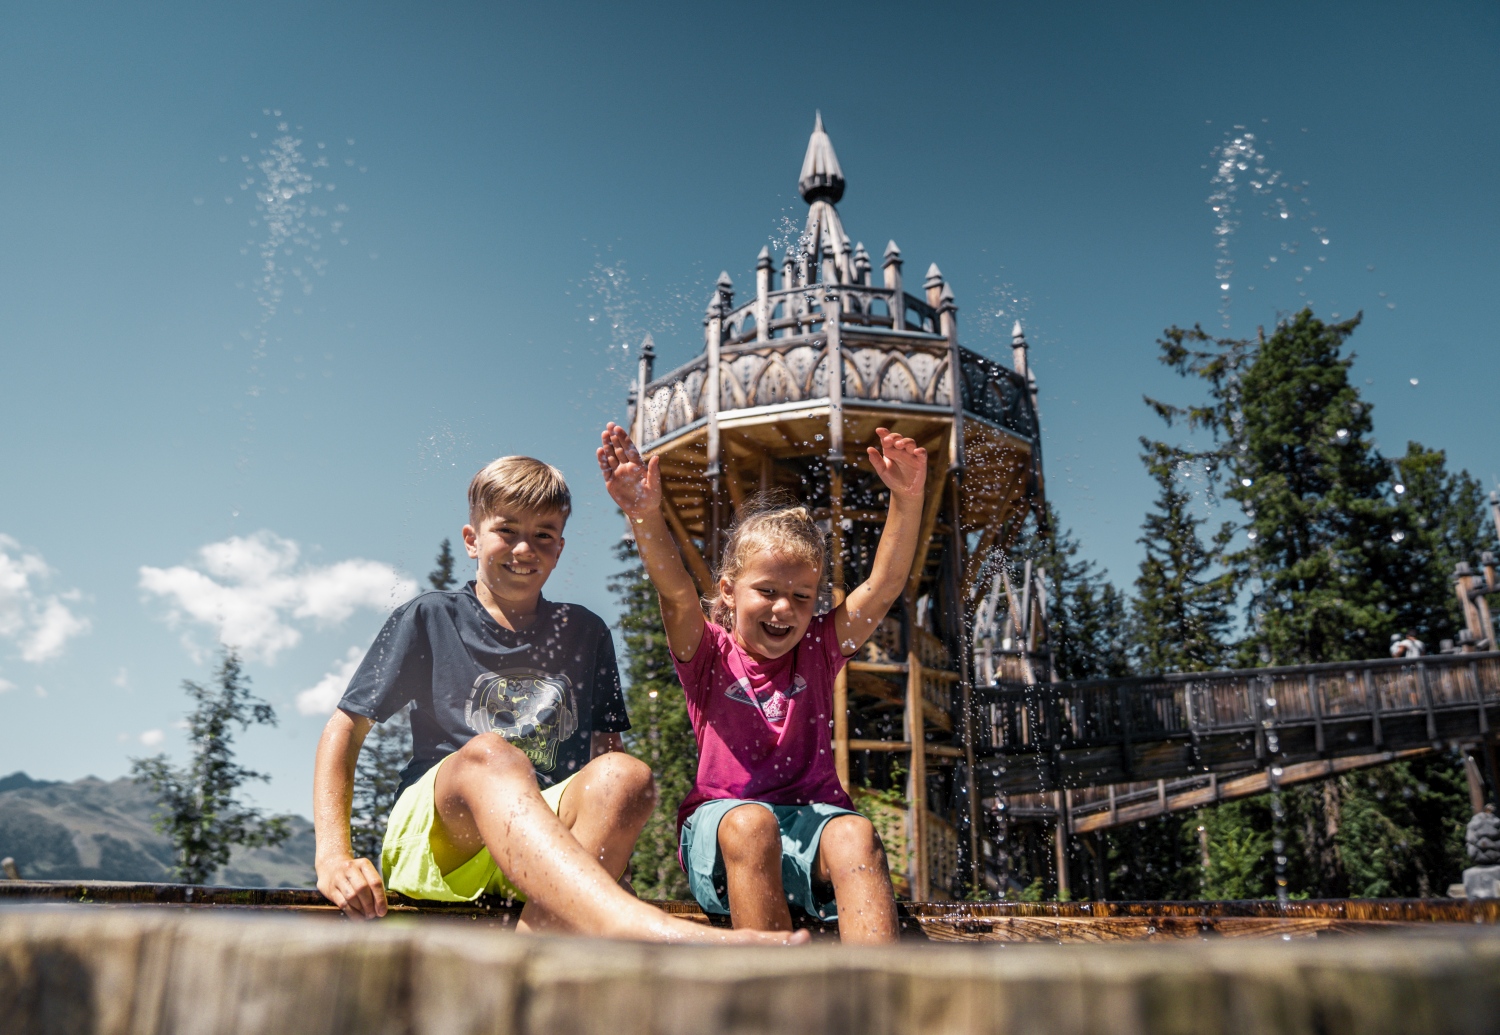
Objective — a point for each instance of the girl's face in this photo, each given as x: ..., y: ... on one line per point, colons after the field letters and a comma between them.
x: 773, y: 601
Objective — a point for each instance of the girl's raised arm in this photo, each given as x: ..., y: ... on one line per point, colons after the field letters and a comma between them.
x: 635, y: 486
x: 902, y: 465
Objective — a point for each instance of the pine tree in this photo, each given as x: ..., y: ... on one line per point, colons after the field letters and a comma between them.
x: 377, y: 775
x: 1292, y: 447
x: 197, y: 805
x: 660, y: 734
x: 1086, y: 613
x: 1450, y: 523
x: 1183, y: 594
x: 441, y: 576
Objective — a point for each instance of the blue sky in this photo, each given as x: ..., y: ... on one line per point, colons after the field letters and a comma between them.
x: 525, y: 189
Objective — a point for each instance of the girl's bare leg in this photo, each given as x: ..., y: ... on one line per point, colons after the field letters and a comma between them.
x: 852, y: 859
x: 486, y: 796
x: 750, y: 844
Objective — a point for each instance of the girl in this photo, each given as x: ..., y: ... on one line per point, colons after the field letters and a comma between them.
x: 767, y: 822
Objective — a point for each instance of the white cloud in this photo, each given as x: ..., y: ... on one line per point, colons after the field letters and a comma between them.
x: 6, y: 685
x: 323, y: 698
x: 252, y: 590
x: 151, y: 738
x: 38, y: 623
x: 122, y: 678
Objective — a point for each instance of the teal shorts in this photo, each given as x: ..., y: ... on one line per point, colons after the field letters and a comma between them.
x: 801, y: 830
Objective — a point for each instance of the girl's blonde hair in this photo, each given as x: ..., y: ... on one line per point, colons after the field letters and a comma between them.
x: 768, y: 522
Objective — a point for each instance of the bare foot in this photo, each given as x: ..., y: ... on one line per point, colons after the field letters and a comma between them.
x: 674, y: 931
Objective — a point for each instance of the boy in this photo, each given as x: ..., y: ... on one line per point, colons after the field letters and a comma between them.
x: 517, y: 785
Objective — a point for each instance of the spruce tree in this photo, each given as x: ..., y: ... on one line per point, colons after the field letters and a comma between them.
x: 198, y: 805
x: 1292, y: 447
x: 1086, y: 613
x: 1450, y: 523
x: 377, y: 775
x: 660, y: 733
x: 441, y: 576
x: 1183, y: 595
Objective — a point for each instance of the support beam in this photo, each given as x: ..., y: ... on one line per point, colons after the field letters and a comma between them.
x: 696, y: 567
x: 916, y: 795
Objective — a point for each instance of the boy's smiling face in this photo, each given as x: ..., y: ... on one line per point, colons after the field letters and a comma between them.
x: 516, y: 551
x: 773, y: 601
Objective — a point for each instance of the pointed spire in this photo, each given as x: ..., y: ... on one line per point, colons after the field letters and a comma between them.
x: 892, y: 254
x: 648, y: 347
x: 763, y: 260
x: 725, y: 287
x: 945, y: 300
x: 821, y: 178
x: 934, y: 277
x: 1017, y: 335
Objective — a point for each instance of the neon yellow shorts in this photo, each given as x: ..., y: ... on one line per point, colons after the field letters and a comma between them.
x: 406, y: 861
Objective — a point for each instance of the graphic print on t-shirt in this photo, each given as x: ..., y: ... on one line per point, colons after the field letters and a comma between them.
x: 533, y: 710
x: 773, y: 706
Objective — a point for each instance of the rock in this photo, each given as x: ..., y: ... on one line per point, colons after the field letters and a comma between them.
x: 1482, y: 882
x: 109, y: 970
x: 1482, y: 838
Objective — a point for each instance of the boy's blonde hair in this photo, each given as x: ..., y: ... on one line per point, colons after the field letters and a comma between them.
x: 768, y: 522
x: 521, y: 483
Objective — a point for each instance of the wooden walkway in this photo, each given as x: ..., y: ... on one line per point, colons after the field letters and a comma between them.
x: 1108, y: 752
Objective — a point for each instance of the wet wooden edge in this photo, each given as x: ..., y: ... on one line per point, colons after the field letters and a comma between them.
x: 1067, y: 922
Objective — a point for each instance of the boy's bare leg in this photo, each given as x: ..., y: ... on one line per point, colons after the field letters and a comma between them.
x: 851, y: 858
x: 605, y: 808
x: 750, y: 844
x: 486, y: 796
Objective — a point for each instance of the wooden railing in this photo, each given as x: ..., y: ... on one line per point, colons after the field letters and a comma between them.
x: 1101, y: 732
x: 795, y: 369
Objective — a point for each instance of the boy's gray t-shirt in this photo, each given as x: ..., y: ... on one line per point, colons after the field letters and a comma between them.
x: 545, y: 689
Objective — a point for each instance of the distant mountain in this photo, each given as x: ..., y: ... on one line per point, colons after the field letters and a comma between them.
x: 93, y: 830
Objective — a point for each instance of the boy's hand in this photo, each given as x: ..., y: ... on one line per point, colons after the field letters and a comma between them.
x: 632, y: 483
x: 901, y: 464
x: 354, y: 885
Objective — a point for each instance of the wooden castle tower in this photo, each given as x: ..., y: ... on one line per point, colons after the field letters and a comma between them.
x: 766, y: 405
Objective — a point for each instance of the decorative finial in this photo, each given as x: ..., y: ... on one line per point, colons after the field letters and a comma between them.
x: 821, y: 178
x: 1017, y: 335
x: 648, y: 346
x: 763, y: 260
x: 892, y: 253
x: 945, y: 300
x: 934, y: 276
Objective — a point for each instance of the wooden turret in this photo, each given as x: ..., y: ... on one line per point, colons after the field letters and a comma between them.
x: 787, y: 394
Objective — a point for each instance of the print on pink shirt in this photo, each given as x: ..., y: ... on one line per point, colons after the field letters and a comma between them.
x: 774, y: 706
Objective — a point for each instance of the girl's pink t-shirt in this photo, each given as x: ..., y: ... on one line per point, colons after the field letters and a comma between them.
x: 765, y: 729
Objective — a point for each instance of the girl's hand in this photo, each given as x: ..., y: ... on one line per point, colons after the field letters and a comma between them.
x: 632, y: 483
x: 901, y: 464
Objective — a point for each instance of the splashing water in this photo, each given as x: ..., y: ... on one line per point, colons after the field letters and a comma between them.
x: 1294, y: 244
x: 1238, y: 162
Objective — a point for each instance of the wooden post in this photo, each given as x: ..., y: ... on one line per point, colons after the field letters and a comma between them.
x: 643, y: 378
x: 832, y: 313
x: 965, y: 683
x: 762, y: 295
x: 916, y: 837
x: 714, y: 472
x: 891, y: 271
x: 1060, y: 845
x: 1476, y: 782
